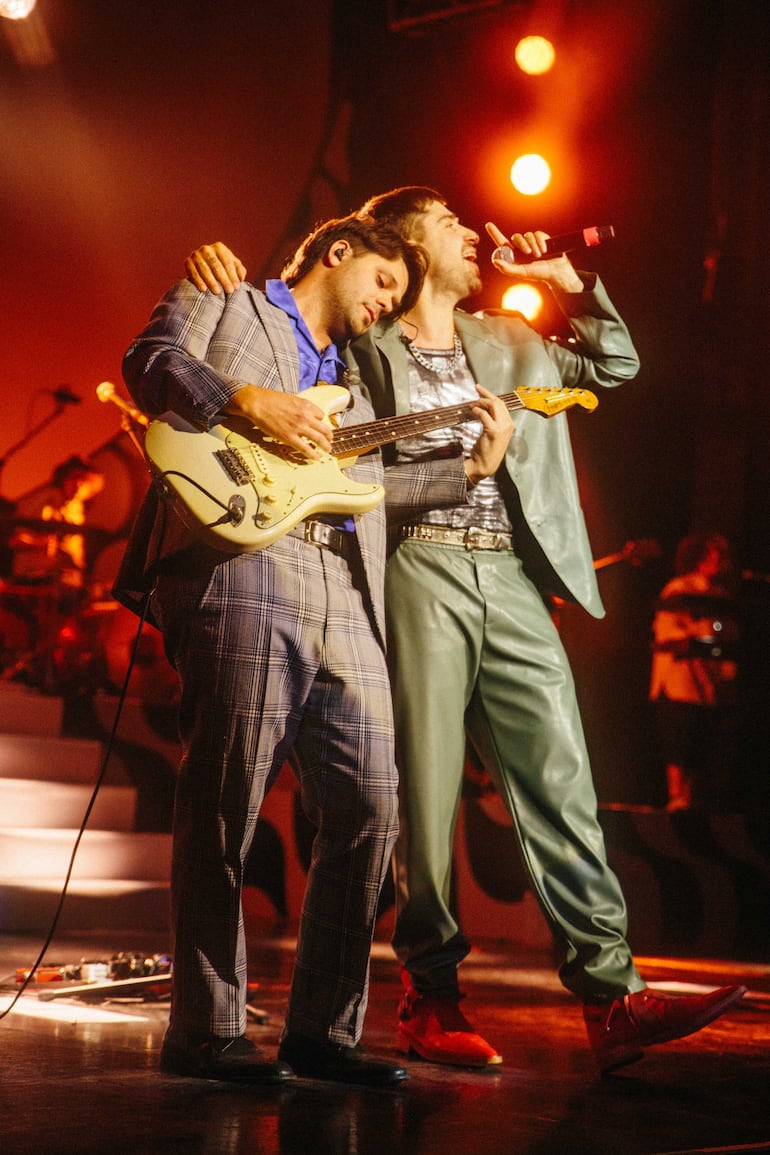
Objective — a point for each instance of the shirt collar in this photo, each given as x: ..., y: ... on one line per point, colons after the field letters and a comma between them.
x: 315, y: 365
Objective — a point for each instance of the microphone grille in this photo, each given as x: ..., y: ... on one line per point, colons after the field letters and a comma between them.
x: 504, y: 253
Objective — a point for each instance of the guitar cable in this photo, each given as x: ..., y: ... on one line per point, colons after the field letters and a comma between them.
x: 233, y: 510
x: 145, y: 605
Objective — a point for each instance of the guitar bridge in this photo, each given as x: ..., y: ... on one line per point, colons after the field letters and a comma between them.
x: 234, y: 464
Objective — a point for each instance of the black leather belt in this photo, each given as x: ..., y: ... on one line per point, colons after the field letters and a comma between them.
x: 471, y: 538
x: 322, y: 534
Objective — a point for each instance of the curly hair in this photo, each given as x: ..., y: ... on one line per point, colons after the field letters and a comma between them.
x: 364, y: 234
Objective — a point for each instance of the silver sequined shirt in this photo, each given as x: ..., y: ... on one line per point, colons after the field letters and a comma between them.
x: 451, y: 383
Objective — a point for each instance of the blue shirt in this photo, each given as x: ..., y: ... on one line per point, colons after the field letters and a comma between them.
x: 314, y: 366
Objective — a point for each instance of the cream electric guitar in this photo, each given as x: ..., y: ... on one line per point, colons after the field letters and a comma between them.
x: 240, y: 490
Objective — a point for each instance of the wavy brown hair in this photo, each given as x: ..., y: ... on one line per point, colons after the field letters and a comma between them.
x: 364, y: 234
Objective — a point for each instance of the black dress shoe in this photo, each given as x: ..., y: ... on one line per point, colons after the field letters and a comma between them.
x: 233, y: 1060
x: 323, y: 1060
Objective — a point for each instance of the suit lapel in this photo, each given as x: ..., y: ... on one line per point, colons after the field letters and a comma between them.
x: 488, y: 359
x: 280, y: 336
x: 387, y: 340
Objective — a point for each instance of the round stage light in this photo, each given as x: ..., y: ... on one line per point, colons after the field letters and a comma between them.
x: 16, y: 9
x: 524, y: 299
x: 535, y: 55
x: 530, y: 174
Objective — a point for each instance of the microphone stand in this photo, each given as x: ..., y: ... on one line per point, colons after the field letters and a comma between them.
x: 131, y: 428
x: 33, y: 432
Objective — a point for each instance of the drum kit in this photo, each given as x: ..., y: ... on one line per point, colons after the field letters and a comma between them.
x: 61, y: 631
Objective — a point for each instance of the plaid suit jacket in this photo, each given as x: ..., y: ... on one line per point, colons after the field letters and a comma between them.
x: 197, y: 350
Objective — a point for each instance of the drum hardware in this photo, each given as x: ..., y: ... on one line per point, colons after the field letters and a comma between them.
x: 48, y: 636
x: 54, y: 527
x: 77, y: 642
x: 709, y: 646
x: 39, y: 609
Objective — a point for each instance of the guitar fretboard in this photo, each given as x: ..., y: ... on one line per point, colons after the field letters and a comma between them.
x: 357, y: 438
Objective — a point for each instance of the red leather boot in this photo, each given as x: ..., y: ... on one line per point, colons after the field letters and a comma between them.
x: 435, y: 1028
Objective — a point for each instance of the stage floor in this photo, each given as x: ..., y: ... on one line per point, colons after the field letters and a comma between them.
x: 80, y: 1077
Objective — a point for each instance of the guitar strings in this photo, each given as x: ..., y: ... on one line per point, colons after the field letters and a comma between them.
x: 355, y: 436
x: 369, y: 434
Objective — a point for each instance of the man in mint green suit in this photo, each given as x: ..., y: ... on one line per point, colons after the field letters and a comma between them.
x: 471, y: 644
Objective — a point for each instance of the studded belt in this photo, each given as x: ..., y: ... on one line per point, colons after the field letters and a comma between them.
x: 471, y: 538
x: 322, y: 534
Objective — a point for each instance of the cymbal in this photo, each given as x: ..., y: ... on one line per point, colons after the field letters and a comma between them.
x: 698, y: 605
x: 28, y: 590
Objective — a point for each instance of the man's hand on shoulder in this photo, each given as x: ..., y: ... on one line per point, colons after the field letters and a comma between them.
x: 215, y: 267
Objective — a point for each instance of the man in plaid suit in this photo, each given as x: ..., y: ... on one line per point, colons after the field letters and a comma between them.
x: 278, y: 649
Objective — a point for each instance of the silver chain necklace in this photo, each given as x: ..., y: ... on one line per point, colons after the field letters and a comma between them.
x: 428, y: 362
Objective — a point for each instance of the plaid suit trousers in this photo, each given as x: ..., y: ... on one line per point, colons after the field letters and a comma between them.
x: 275, y: 652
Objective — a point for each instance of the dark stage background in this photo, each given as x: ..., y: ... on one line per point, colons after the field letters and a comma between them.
x: 130, y: 133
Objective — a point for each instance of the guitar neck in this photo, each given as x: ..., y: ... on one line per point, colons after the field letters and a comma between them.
x: 359, y: 438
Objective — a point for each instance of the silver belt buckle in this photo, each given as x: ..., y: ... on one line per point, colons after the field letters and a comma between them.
x: 314, y: 533
x: 477, y: 538
x: 474, y: 536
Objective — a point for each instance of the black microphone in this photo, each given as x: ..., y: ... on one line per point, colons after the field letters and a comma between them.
x: 64, y: 396
x: 555, y: 246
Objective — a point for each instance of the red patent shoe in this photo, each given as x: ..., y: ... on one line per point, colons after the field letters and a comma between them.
x: 618, y: 1031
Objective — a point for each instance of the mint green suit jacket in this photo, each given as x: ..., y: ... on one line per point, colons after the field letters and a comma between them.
x: 538, y: 478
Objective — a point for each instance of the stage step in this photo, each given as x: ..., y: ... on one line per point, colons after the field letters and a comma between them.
x: 90, y: 905
x: 27, y: 711
x: 57, y: 805
x: 102, y: 854
x: 120, y: 876
x: 50, y: 759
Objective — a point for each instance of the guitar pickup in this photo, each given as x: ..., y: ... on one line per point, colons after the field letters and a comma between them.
x: 234, y: 464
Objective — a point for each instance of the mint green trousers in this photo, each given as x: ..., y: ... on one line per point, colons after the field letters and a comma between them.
x: 471, y: 644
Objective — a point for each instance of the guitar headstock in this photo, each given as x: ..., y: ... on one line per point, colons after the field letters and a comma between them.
x: 551, y: 400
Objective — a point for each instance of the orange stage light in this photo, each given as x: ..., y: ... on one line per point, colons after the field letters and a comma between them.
x: 535, y: 55
x: 530, y: 174
x: 16, y: 9
x: 524, y: 299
